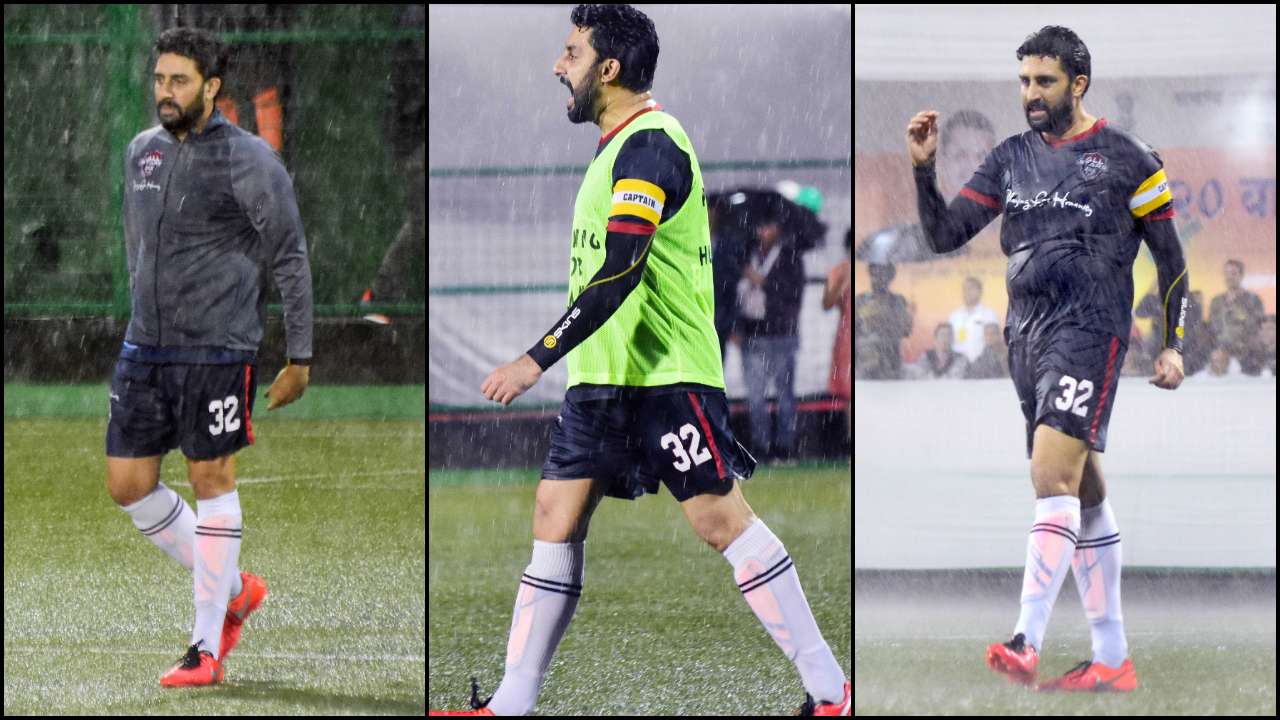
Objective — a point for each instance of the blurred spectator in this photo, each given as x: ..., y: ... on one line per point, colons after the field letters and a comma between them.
x: 1261, y: 358
x: 1235, y: 315
x: 994, y: 360
x: 728, y: 254
x: 838, y: 291
x: 769, y: 295
x: 1221, y: 365
x: 969, y: 321
x: 942, y: 362
x: 737, y: 216
x: 881, y: 320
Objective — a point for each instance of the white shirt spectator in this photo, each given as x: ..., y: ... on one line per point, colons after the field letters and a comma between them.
x: 969, y: 323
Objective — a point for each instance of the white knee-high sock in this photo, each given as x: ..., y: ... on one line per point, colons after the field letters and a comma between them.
x: 770, y: 585
x: 167, y: 520
x: 1097, y: 563
x: 1050, y: 547
x: 217, y: 556
x: 545, y: 603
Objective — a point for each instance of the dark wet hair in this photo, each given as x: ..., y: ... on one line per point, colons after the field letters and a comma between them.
x: 625, y: 34
x: 201, y: 46
x: 1058, y: 42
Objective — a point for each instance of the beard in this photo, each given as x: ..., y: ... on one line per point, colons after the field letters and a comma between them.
x: 177, y: 119
x: 1055, y: 121
x: 584, y: 101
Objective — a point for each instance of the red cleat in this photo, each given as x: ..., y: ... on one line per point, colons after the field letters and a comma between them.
x: 477, y: 706
x: 1095, y: 677
x: 1015, y: 659
x: 239, y: 608
x: 840, y: 709
x: 197, y: 668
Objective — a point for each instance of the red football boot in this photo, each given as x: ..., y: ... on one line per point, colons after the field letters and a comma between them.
x: 196, y: 669
x: 1095, y: 677
x: 252, y: 594
x: 1015, y: 659
x: 840, y: 709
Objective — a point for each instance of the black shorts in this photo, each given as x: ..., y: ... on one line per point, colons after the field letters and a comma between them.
x: 635, y: 441
x: 1067, y: 380
x: 206, y: 410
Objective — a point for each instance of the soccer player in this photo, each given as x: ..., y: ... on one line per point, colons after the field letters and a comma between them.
x: 1078, y: 196
x: 208, y: 210
x: 645, y: 404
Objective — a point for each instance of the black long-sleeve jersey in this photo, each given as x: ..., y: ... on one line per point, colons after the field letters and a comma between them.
x: 1075, y: 212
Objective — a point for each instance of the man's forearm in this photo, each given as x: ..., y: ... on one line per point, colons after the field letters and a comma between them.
x: 945, y: 229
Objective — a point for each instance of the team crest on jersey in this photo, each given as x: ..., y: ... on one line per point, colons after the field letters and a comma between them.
x: 1092, y: 165
x: 148, y: 163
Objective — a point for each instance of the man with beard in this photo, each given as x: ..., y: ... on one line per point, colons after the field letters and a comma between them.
x: 208, y: 210
x: 645, y: 406
x: 1078, y: 197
